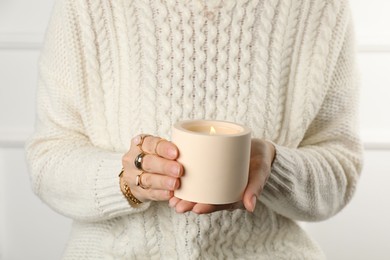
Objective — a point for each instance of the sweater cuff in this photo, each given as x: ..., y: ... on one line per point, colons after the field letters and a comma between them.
x: 280, y: 181
x: 109, y: 198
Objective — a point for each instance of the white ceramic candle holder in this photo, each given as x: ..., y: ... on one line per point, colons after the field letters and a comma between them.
x: 215, y: 156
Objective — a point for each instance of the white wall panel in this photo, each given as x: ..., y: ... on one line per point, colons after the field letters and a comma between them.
x: 24, y: 16
x: 2, y: 210
x: 18, y: 82
x: 372, y: 20
x: 23, y: 23
x: 375, y: 95
x: 28, y: 228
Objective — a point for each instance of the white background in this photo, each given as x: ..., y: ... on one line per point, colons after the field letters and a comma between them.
x: 30, y: 230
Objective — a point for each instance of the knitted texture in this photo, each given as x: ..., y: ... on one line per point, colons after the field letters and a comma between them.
x: 110, y: 70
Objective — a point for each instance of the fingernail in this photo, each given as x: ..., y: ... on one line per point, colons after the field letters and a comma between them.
x: 171, y: 183
x: 136, y: 140
x: 253, y: 200
x: 176, y: 170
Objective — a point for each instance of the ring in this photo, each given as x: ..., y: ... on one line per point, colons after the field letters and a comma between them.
x: 134, y: 202
x: 137, y: 178
x: 138, y: 161
x: 138, y: 181
x: 141, y: 141
x: 158, y: 142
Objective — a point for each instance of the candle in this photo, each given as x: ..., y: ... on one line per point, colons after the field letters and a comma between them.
x: 215, y: 156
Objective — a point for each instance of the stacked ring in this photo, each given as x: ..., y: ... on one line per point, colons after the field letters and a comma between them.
x: 139, y: 159
x: 138, y: 181
x: 142, y: 141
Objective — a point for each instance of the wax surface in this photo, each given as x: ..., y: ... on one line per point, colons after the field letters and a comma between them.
x: 206, y: 129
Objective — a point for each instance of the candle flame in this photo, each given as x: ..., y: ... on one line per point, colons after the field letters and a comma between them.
x: 212, y: 131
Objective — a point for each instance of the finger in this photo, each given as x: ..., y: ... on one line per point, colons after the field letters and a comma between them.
x: 161, y: 147
x: 155, y: 195
x: 205, y: 208
x: 251, y: 192
x: 156, y: 164
x: 145, y: 194
x: 256, y: 180
x: 159, y: 182
x: 138, y: 141
x: 173, y: 202
x: 209, y: 208
x: 184, y: 206
x: 129, y: 156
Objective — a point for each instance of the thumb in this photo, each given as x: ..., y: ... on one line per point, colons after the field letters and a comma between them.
x: 256, y: 182
x: 252, y: 191
x: 263, y: 154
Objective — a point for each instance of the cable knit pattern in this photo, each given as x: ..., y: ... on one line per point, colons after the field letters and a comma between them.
x: 112, y: 69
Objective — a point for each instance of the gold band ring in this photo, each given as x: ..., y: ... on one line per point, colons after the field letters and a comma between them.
x: 142, y: 139
x: 139, y: 180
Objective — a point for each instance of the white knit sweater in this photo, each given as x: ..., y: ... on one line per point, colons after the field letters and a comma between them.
x: 111, y: 69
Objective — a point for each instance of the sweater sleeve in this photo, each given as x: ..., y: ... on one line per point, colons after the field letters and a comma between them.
x: 318, y: 178
x: 68, y: 172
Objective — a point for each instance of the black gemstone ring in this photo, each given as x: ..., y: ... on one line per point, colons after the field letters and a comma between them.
x: 138, y: 161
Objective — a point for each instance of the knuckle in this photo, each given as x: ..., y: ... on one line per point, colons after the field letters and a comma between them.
x: 147, y: 162
x: 152, y: 195
x: 146, y: 180
x: 163, y: 182
x: 158, y: 195
x: 133, y: 140
x: 148, y: 144
x: 166, y: 195
x: 126, y: 159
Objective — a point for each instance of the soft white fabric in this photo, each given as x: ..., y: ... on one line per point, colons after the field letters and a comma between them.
x: 112, y: 69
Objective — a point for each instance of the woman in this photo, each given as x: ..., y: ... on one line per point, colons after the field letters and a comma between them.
x: 115, y: 71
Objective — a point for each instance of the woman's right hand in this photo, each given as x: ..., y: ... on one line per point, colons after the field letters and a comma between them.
x: 160, y: 174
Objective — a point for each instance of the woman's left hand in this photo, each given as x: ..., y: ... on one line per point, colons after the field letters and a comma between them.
x: 262, y: 156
